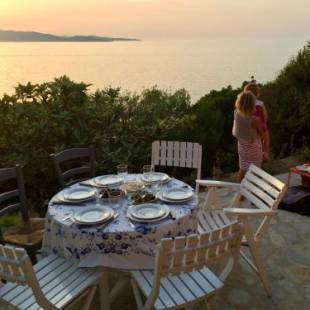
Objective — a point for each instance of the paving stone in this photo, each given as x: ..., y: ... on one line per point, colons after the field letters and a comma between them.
x: 288, y: 232
x: 276, y: 238
x: 298, y: 273
x: 307, y: 293
x: 239, y: 297
x: 288, y: 217
x: 300, y: 254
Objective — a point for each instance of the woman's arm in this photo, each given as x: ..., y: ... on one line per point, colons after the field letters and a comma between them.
x: 258, y: 126
x: 265, y: 114
x: 263, y: 134
x: 234, y: 133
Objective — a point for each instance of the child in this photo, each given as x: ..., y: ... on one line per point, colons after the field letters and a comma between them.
x: 249, y: 133
x: 261, y: 113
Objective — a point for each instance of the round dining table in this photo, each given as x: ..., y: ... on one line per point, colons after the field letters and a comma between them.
x: 121, y: 243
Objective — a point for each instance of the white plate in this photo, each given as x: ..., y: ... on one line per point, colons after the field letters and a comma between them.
x: 304, y: 168
x: 148, y: 211
x: 178, y: 193
x: 108, y: 180
x: 78, y: 194
x: 93, y: 215
x: 160, y: 197
x: 146, y: 221
x: 153, y: 177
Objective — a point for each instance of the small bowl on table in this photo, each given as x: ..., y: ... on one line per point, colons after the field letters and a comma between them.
x: 112, y: 195
x: 142, y: 196
x: 132, y: 186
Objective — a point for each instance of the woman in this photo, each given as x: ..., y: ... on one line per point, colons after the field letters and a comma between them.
x: 261, y: 113
x: 249, y: 133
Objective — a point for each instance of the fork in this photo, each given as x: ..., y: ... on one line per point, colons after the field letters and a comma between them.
x: 67, y: 219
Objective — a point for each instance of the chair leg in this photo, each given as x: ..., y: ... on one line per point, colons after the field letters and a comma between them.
x: 207, y: 304
x: 254, y: 247
x: 260, y: 268
x: 227, y: 270
x: 212, y: 201
x: 209, y: 201
x: 32, y: 256
x: 104, y: 292
x: 120, y: 284
x: 136, y: 293
x: 89, y: 298
x: 32, y: 250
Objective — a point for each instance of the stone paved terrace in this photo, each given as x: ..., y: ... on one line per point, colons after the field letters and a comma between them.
x: 286, y: 250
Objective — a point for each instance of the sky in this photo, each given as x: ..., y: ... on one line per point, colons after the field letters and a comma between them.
x: 144, y: 19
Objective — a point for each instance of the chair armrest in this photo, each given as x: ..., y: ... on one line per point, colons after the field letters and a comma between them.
x: 246, y: 211
x: 212, y: 183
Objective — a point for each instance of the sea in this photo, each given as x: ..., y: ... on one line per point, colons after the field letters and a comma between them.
x: 196, y: 65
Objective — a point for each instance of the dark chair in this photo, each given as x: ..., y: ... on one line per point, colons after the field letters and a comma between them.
x: 74, y: 165
x: 26, y: 232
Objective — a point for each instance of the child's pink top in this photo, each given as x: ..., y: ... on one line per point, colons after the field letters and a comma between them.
x: 259, y: 113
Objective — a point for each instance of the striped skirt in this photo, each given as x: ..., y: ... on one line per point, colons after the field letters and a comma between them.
x: 250, y: 153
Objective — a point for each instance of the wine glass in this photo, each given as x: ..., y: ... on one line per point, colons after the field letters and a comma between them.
x: 122, y: 170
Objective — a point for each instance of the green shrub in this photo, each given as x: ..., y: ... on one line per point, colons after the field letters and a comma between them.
x: 8, y: 220
x: 42, y: 119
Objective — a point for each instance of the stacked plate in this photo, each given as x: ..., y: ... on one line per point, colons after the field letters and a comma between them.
x: 176, y: 195
x: 304, y: 168
x: 93, y: 216
x: 108, y: 180
x: 148, y: 212
x: 154, y: 177
x: 76, y: 195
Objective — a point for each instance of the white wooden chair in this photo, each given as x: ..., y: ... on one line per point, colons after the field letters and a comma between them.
x: 180, y: 277
x: 53, y: 283
x: 177, y: 154
x: 262, y: 193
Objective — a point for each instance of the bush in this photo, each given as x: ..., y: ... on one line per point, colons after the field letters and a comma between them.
x: 43, y: 119
x: 288, y: 99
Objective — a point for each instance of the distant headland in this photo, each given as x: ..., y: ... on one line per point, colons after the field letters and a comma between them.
x: 30, y: 36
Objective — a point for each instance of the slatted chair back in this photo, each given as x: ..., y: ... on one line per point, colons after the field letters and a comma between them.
x: 177, y: 154
x: 186, y: 254
x: 73, y: 175
x: 12, y: 262
x: 261, y: 189
x: 16, y: 267
x: 14, y: 174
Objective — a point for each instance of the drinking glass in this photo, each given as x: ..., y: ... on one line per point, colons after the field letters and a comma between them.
x: 122, y: 170
x: 156, y: 188
x: 98, y: 197
x: 147, y: 168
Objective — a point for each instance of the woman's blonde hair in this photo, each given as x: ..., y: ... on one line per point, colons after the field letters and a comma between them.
x: 245, y: 103
x: 252, y: 87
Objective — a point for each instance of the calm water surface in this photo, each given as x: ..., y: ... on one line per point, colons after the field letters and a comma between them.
x: 196, y: 65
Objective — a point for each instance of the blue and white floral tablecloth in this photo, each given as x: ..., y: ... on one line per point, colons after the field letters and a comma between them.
x: 121, y: 244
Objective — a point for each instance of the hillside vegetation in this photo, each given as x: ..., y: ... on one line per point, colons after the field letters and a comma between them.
x: 31, y: 36
x: 40, y: 119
